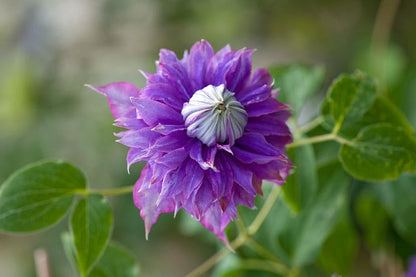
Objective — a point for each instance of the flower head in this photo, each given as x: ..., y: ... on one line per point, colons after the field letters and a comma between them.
x: 210, y: 131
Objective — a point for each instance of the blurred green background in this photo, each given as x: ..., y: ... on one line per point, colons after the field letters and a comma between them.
x: 50, y: 49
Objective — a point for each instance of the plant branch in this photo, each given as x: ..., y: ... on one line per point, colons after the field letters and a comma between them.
x: 107, y: 192
x: 311, y: 140
x: 208, y: 264
x: 261, y: 216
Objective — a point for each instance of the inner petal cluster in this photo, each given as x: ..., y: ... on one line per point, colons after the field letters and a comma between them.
x: 213, y: 115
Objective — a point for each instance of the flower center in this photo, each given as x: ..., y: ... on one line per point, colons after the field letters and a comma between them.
x: 213, y: 115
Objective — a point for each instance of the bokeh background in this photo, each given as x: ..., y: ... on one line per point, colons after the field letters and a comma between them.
x: 49, y: 49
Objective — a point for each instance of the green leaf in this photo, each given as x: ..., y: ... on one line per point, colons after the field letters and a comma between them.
x: 38, y: 195
x: 91, y: 225
x: 373, y: 219
x: 116, y: 261
x: 297, y: 82
x: 381, y: 111
x: 69, y: 249
x: 400, y: 200
x: 339, y: 249
x: 348, y: 99
x: 300, y: 187
x: 379, y: 152
x: 318, y: 220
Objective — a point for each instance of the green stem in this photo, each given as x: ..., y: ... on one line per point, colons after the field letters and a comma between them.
x: 107, y: 192
x: 208, y: 264
x: 242, y: 238
x: 311, y: 125
x: 261, y: 216
x: 257, y: 264
x: 263, y: 251
x: 311, y: 140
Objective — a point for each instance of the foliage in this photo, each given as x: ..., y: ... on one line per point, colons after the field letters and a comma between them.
x: 329, y: 205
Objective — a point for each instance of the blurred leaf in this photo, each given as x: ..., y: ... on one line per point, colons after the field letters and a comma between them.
x: 230, y: 266
x: 38, y: 195
x: 17, y: 85
x: 384, y: 111
x: 91, y: 225
x: 379, y: 152
x: 116, y: 262
x: 301, y: 186
x: 69, y: 249
x: 348, y: 99
x: 400, y: 200
x: 318, y: 220
x: 339, y: 249
x: 385, y: 64
x: 297, y: 238
x: 372, y: 218
x: 297, y: 82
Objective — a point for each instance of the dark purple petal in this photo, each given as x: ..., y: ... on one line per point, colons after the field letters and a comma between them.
x: 221, y: 180
x: 236, y: 76
x: 279, y: 141
x: 193, y: 179
x: 118, y: 95
x: 198, y: 58
x: 254, y: 148
x: 275, y: 171
x: 153, y: 112
x: 255, y: 95
x: 243, y: 176
x: 203, y: 154
x: 267, y: 106
x: 260, y: 78
x: 272, y: 124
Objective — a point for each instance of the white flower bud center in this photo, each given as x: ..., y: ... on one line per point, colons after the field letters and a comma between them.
x: 213, y: 115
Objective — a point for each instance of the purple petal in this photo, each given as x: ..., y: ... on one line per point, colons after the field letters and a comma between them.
x: 252, y: 148
x: 136, y: 155
x: 199, y: 56
x: 243, y: 176
x: 164, y: 93
x: 272, y: 124
x: 255, y: 95
x: 203, y: 154
x: 142, y: 138
x: 267, y: 106
x: 193, y: 179
x: 175, y: 73
x: 118, y: 95
x: 130, y: 123
x: 153, y: 112
x: 145, y: 196
x: 238, y: 73
x: 173, y: 159
x: 275, y: 171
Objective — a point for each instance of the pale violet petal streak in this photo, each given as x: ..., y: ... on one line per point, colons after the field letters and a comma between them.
x: 213, y: 115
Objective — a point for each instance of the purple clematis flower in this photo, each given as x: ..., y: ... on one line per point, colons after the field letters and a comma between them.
x: 209, y: 129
